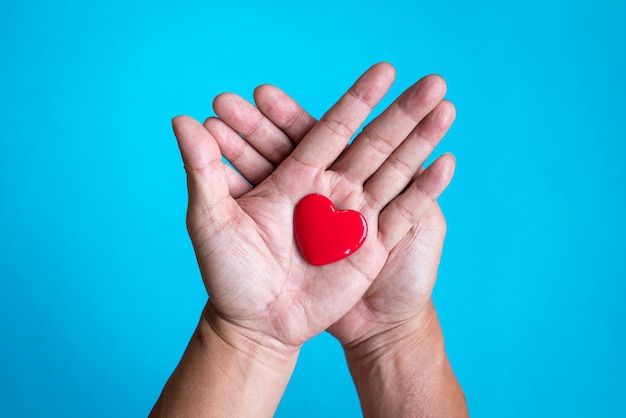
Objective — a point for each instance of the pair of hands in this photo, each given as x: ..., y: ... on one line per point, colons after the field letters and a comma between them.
x: 242, y: 231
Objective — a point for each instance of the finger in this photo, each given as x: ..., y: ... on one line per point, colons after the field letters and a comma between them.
x: 237, y: 185
x: 259, y: 131
x: 321, y: 146
x: 206, y: 177
x: 404, y: 163
x: 244, y: 158
x: 405, y: 211
x: 383, y: 135
x: 284, y: 112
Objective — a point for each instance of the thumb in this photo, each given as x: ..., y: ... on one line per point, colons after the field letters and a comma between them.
x: 206, y: 177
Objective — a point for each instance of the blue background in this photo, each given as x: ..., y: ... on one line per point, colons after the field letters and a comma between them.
x: 99, y: 290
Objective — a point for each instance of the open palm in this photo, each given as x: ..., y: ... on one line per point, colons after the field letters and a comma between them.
x: 382, y: 161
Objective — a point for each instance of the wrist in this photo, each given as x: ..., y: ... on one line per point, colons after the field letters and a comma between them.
x: 247, y: 343
x: 419, y: 335
x: 404, y: 371
x: 226, y: 371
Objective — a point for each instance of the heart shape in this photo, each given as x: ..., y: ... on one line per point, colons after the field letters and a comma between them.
x: 325, y: 234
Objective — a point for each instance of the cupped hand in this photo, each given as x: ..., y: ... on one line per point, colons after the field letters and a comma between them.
x: 385, y: 160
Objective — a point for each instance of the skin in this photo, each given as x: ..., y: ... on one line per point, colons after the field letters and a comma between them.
x: 265, y: 300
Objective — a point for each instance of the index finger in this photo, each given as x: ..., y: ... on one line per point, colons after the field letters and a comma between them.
x: 323, y: 144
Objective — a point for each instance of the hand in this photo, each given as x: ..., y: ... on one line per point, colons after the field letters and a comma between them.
x: 252, y: 269
x: 401, y: 294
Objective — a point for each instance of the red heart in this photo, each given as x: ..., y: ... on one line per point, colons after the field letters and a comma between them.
x: 325, y: 234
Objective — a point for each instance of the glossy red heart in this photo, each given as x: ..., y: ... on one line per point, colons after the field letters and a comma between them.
x: 325, y: 234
